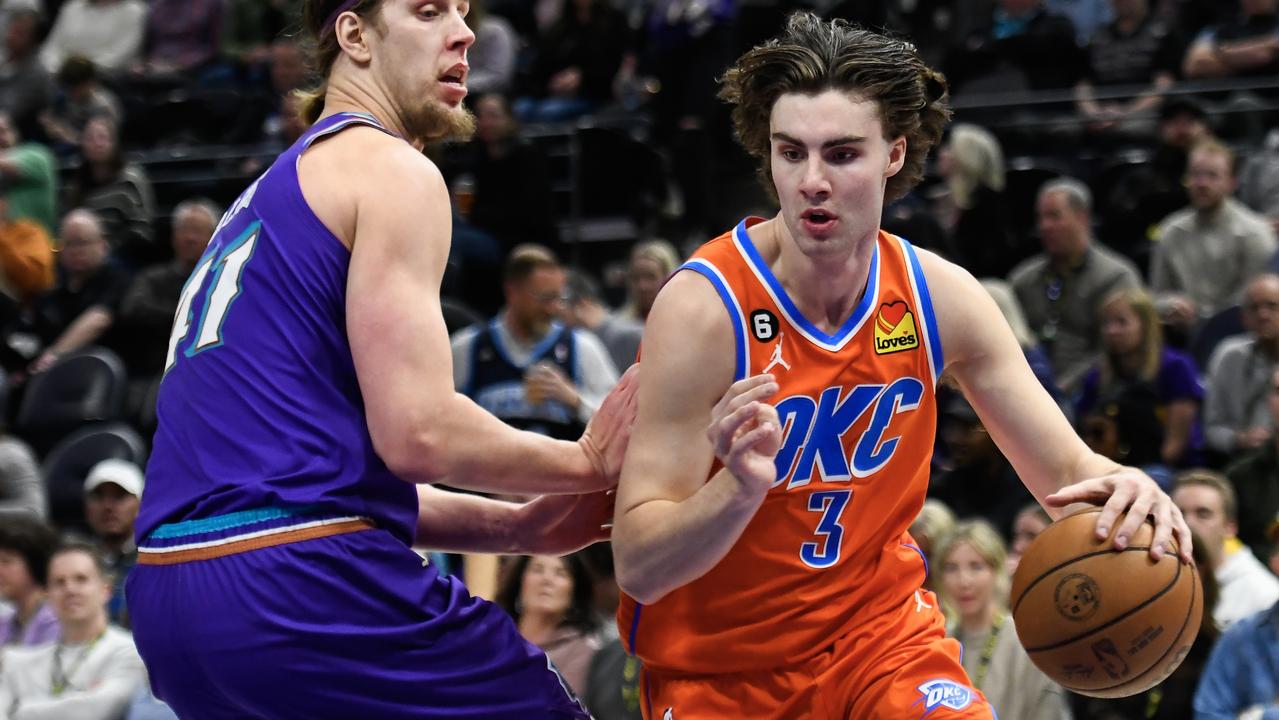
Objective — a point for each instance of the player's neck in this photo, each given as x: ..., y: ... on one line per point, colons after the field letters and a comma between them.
x: 826, y: 289
x: 79, y: 633
x: 350, y: 97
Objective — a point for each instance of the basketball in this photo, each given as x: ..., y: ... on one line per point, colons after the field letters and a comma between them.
x: 1102, y: 622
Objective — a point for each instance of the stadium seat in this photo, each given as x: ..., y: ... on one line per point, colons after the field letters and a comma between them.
x: 69, y: 462
x: 83, y: 387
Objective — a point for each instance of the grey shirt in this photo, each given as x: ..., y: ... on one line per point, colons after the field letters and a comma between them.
x: 1061, y: 308
x: 21, y: 489
x: 1236, y: 387
x: 1210, y: 258
x: 621, y: 337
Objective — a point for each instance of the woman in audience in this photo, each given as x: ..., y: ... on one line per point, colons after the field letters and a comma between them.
x: 25, y: 547
x: 117, y: 190
x: 651, y: 263
x: 934, y: 523
x: 1030, y: 521
x: 976, y: 216
x: 1137, y: 369
x: 975, y: 588
x: 550, y: 600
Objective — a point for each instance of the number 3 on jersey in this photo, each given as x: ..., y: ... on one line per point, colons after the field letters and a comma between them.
x: 223, y: 290
x: 830, y: 533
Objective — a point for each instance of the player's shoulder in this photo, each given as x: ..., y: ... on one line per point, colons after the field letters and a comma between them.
x: 373, y: 162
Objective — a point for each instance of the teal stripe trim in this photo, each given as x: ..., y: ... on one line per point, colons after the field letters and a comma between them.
x: 228, y: 521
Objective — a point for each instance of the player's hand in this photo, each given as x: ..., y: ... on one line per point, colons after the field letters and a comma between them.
x: 746, y: 433
x: 609, y: 430
x: 1130, y: 491
x: 561, y: 524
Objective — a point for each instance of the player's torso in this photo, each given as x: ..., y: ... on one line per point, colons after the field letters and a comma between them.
x: 828, y: 545
x: 260, y: 404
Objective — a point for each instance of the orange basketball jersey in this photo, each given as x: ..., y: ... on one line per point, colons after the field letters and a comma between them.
x: 828, y: 549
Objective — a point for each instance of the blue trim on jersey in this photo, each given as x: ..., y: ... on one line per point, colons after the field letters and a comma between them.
x: 546, y: 343
x: 635, y: 627
x: 921, y: 555
x: 864, y: 306
x: 926, y: 308
x: 344, y: 120
x: 708, y: 271
x: 575, y: 370
x: 228, y: 521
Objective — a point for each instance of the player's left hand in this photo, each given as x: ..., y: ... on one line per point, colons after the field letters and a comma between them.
x: 561, y: 524
x: 1133, y: 494
x: 609, y: 431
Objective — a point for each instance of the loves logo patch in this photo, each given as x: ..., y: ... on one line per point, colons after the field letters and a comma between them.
x: 895, y: 329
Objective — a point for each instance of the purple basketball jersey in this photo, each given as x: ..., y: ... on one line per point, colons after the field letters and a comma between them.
x: 260, y: 405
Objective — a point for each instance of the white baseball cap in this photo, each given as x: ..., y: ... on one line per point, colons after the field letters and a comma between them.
x: 121, y: 472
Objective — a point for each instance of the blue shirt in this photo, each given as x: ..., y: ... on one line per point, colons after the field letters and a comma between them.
x: 1243, y: 670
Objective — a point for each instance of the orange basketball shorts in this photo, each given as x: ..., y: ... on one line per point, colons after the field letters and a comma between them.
x: 898, y: 666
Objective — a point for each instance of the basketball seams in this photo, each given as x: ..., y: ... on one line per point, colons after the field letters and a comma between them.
x: 1129, y: 613
x: 1072, y: 561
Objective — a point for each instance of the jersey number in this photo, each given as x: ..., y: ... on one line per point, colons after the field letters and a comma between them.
x: 825, y: 552
x: 223, y: 290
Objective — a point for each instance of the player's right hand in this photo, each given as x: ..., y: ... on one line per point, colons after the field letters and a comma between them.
x: 609, y: 431
x: 746, y: 433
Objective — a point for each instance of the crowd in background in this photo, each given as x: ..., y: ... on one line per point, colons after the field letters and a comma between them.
x: 1112, y: 177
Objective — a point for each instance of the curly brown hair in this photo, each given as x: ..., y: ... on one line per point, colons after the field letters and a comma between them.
x: 814, y: 55
x: 322, y: 48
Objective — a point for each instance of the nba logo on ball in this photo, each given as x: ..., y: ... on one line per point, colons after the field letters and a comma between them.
x: 945, y: 693
x: 1076, y: 597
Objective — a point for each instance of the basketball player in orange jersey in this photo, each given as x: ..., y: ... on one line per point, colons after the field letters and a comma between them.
x: 766, y: 562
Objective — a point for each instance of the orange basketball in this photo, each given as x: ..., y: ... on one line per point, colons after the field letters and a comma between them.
x: 1100, y: 622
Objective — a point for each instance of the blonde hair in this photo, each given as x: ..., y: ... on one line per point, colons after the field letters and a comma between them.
x: 323, y: 49
x: 1001, y: 292
x: 1152, y: 335
x: 982, y: 537
x: 978, y: 161
x: 659, y: 251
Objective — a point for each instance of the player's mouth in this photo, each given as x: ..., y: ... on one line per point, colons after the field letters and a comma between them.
x: 455, y: 78
x: 818, y: 221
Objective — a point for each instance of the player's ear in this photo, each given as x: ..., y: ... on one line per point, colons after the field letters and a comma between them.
x: 896, y: 156
x: 352, y: 33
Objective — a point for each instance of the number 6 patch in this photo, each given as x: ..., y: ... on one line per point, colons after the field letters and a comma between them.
x: 763, y: 325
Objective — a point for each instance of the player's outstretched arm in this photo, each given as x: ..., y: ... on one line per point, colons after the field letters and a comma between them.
x: 548, y: 525
x: 672, y: 524
x: 421, y: 427
x: 1056, y: 466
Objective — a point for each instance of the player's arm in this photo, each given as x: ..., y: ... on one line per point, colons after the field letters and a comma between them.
x: 548, y: 525
x: 672, y: 525
x: 1057, y: 467
x: 421, y: 427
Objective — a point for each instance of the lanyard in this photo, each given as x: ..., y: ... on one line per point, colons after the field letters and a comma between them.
x: 60, y: 680
x: 988, y: 652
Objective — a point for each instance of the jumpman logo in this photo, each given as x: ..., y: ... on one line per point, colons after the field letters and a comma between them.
x: 777, y: 355
x: 920, y: 604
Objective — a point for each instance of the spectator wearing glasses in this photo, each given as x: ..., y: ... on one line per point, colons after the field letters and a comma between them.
x: 524, y: 366
x: 1254, y: 477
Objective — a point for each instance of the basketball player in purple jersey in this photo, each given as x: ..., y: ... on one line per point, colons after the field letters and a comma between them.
x: 308, y: 389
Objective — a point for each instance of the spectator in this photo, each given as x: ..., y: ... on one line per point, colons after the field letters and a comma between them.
x: 108, y: 32
x: 975, y: 585
x: 25, y: 547
x: 1086, y: 16
x: 81, y: 307
x: 26, y: 86
x: 93, y: 669
x: 586, y: 309
x: 1247, y: 46
x: 1138, y: 48
x: 1003, y: 296
x: 1210, y: 250
x: 651, y: 263
x: 1259, y: 181
x: 21, y: 486
x: 1255, y: 478
x: 1241, y: 679
x: 117, y: 191
x: 981, y: 482
x: 934, y: 522
x: 81, y: 96
x: 182, y: 38
x: 578, y: 57
x: 493, y: 56
x: 26, y: 259
x: 1020, y: 45
x: 1208, y: 502
x: 981, y: 237
x: 1062, y: 289
x: 524, y: 366
x: 28, y: 172
x: 1031, y: 520
x: 112, y: 490
x: 1135, y: 357
x: 550, y: 600
x: 148, y: 307
x: 1239, y: 372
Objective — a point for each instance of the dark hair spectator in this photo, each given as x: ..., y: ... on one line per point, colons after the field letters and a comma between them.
x: 550, y: 600
x: 117, y: 190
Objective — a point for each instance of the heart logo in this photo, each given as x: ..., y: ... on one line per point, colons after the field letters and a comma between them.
x: 890, y: 314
